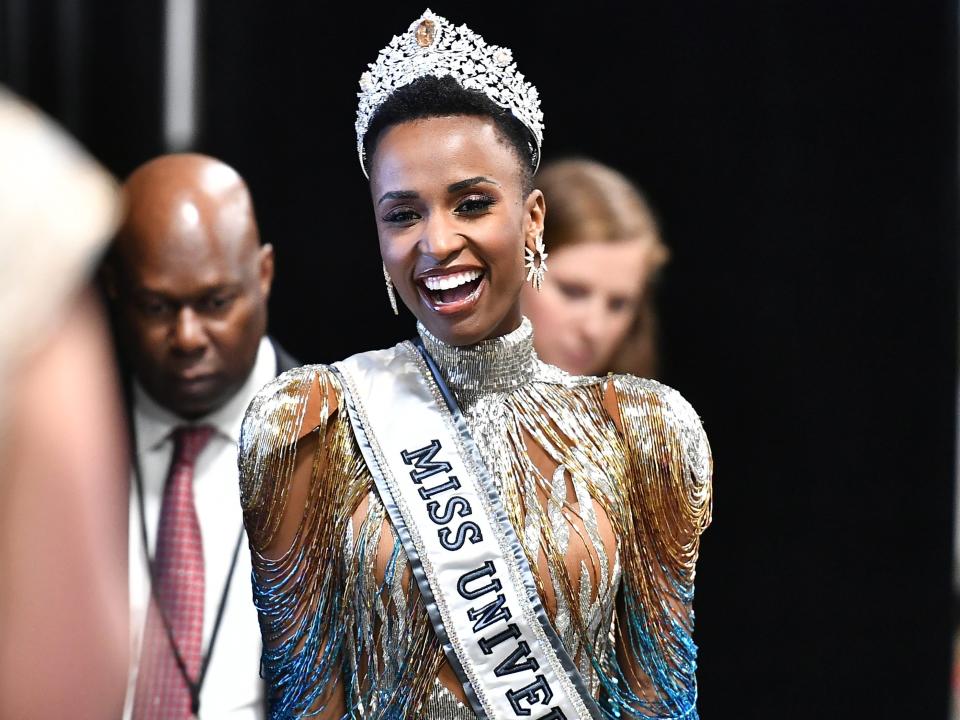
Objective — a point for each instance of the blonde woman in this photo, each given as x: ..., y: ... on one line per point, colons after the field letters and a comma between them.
x: 595, y: 312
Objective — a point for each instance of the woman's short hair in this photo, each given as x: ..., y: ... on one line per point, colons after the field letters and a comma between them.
x: 591, y: 202
x: 430, y: 97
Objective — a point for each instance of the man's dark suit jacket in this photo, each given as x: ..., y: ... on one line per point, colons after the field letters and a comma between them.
x: 285, y: 361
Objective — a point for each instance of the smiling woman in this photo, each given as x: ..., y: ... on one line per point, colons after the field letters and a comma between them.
x: 453, y: 220
x: 451, y: 528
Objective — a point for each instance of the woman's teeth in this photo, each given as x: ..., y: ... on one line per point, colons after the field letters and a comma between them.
x: 454, y: 288
x: 448, y: 282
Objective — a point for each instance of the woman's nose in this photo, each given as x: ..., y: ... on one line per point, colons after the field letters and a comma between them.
x: 593, y: 321
x: 440, y: 239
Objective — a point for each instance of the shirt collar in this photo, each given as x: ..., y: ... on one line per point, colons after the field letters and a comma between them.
x: 154, y: 423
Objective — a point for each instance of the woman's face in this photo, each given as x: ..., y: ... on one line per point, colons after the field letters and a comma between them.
x: 587, y: 304
x: 453, y: 222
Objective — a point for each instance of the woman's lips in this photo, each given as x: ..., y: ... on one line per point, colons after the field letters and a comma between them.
x: 434, y: 299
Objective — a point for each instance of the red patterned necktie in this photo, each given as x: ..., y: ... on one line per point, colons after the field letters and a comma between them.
x: 162, y: 690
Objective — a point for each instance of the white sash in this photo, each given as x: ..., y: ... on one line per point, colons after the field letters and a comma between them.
x: 467, y: 560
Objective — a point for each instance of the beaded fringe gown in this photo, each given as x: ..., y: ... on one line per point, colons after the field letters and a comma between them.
x: 607, y: 482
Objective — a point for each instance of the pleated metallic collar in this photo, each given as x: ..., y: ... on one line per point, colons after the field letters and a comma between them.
x: 493, y: 366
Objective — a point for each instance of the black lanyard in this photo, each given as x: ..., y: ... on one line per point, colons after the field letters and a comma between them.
x: 194, y: 686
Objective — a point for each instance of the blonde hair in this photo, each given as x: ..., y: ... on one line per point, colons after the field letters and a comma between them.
x: 588, y: 202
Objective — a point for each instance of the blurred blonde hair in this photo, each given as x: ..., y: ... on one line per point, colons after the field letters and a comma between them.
x: 589, y: 202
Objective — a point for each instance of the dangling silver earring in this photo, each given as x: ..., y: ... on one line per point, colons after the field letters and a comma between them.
x: 390, y: 293
x: 536, y: 263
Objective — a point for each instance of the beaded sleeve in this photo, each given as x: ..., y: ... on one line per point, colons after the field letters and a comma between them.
x: 301, y: 593
x: 669, y: 496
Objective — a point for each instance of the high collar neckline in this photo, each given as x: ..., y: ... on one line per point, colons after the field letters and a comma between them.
x: 496, y: 365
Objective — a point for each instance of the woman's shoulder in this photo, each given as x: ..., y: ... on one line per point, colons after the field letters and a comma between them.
x: 303, y: 398
x: 290, y: 423
x: 633, y: 390
x: 285, y: 410
x: 291, y: 382
x: 295, y: 397
x: 625, y: 391
x: 649, y: 407
x: 667, y: 450
x: 288, y: 384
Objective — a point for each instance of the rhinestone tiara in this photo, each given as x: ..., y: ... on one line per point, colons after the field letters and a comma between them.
x: 433, y: 46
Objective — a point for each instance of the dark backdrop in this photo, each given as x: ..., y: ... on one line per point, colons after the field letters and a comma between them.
x: 803, y: 157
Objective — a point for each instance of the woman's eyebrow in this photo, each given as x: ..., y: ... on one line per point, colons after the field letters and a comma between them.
x: 470, y: 182
x: 398, y: 195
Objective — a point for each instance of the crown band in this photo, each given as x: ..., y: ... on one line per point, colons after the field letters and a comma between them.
x: 433, y: 47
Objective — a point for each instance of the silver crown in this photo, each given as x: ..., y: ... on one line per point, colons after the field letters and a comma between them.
x: 432, y: 46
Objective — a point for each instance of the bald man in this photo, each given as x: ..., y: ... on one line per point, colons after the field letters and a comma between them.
x: 190, y: 280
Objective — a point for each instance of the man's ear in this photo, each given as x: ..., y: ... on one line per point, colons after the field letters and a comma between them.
x: 535, y: 210
x: 265, y: 269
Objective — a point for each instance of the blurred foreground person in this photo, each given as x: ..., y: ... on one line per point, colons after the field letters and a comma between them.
x: 595, y: 313
x: 62, y: 447
x: 190, y: 280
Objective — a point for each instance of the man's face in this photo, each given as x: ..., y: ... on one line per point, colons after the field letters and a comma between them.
x: 193, y: 310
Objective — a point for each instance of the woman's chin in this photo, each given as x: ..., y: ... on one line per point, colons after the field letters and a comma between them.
x: 468, y: 329
x: 462, y: 321
x: 575, y: 363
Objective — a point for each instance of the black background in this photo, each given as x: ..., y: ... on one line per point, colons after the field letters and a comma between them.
x: 803, y: 157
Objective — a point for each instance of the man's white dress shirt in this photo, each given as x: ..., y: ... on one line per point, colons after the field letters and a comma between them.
x: 232, y: 689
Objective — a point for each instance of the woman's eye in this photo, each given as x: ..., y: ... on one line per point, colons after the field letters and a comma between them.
x: 475, y: 205
x: 401, y: 215
x: 620, y: 305
x: 573, y: 292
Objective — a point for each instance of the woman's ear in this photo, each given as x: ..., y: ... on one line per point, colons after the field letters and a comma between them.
x: 535, y: 210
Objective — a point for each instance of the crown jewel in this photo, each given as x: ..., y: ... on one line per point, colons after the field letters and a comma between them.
x: 432, y: 46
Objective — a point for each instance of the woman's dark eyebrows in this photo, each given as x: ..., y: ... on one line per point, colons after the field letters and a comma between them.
x: 470, y: 182
x: 455, y: 187
x: 398, y: 195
